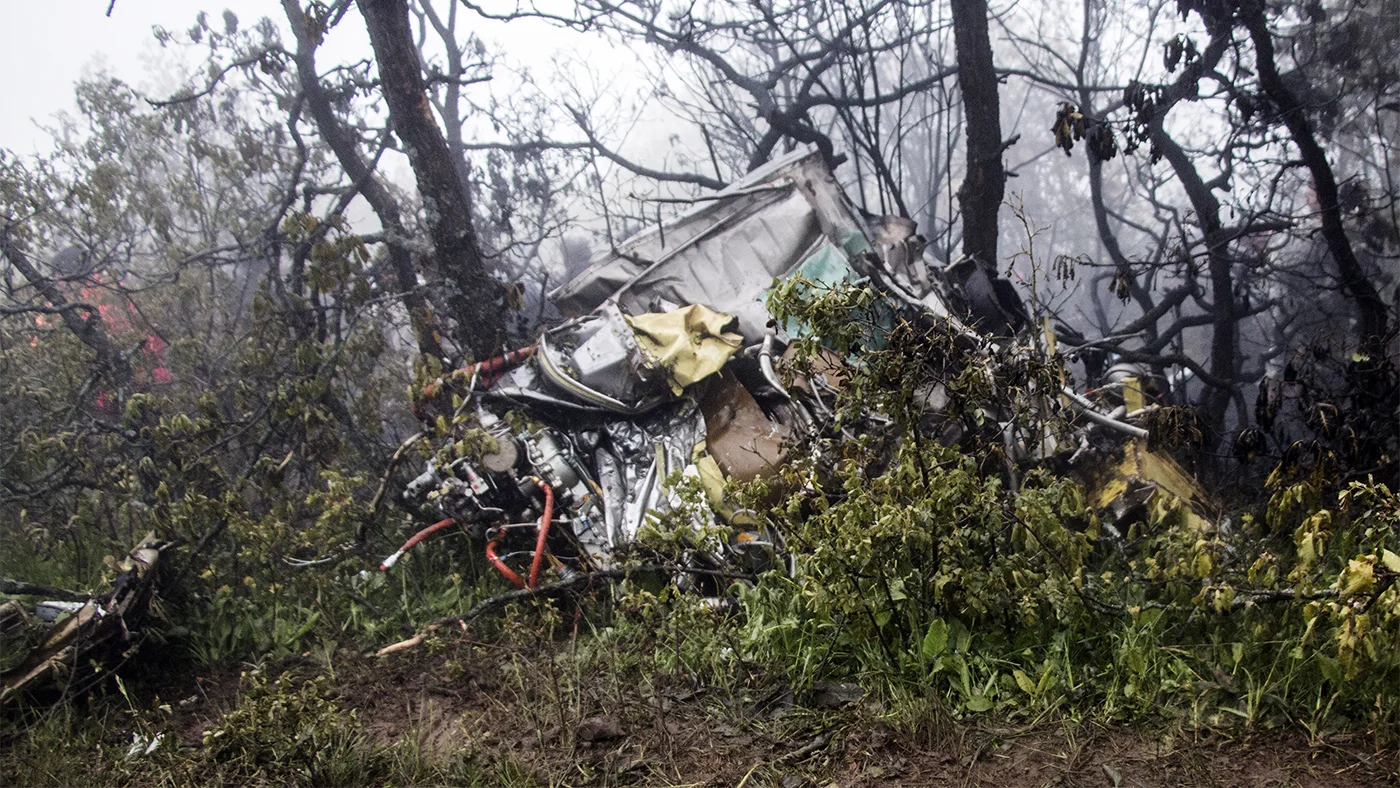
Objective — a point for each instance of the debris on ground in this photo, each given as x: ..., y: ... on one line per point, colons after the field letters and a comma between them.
x: 667, y: 379
x: 668, y: 373
x: 77, y: 639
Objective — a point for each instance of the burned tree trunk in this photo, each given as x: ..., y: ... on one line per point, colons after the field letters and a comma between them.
x: 1293, y: 114
x: 475, y: 298
x: 341, y: 140
x: 1224, y: 338
x: 985, y: 181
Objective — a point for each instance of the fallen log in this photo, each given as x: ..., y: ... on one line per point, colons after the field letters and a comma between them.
x: 21, y: 588
x: 104, y: 626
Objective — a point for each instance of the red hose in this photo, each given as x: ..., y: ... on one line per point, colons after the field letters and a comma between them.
x: 544, y: 530
x: 492, y: 369
x: 489, y: 370
x: 501, y: 567
x: 415, y: 539
x: 545, y: 519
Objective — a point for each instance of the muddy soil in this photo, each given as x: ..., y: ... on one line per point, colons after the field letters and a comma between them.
x: 474, y: 700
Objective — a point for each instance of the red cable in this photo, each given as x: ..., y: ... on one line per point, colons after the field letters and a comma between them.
x: 545, y: 519
x: 544, y: 531
x: 490, y: 370
x: 415, y: 539
x: 501, y: 565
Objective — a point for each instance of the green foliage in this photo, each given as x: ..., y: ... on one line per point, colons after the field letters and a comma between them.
x: 280, y: 731
x: 983, y: 580
x: 263, y: 400
x: 939, y: 560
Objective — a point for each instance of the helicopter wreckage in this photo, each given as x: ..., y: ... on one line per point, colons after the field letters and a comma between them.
x: 666, y: 374
x: 668, y: 370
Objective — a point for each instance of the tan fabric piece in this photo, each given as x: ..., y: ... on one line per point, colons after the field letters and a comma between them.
x: 744, y: 443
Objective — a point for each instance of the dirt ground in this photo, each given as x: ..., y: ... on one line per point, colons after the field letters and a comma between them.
x: 467, y: 701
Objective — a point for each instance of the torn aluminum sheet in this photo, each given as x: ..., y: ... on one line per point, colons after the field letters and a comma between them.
x: 651, y: 450
x: 629, y: 364
x: 53, y: 609
x: 579, y: 493
x: 637, y: 389
x: 901, y: 251
x: 613, y: 437
x: 597, y: 361
x: 663, y: 312
x: 726, y: 253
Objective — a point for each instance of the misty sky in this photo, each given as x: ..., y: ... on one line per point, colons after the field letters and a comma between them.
x: 46, y: 46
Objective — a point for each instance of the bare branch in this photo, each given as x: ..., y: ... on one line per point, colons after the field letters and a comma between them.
x: 45, y: 309
x: 703, y: 181
x: 528, y: 147
x: 185, y: 96
x: 21, y: 588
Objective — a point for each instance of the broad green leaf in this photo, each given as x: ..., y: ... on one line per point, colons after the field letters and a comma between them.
x: 979, y: 703
x: 1024, y: 682
x: 1391, y: 561
x: 935, y: 640
x: 1358, y: 578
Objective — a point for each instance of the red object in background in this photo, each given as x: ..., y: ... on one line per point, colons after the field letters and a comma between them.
x: 119, y: 320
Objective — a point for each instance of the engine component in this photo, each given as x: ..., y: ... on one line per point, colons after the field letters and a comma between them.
x: 506, y: 457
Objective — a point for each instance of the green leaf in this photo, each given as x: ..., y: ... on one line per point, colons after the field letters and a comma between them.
x: 964, y: 675
x: 897, y: 589
x: 962, y: 638
x: 1391, y: 561
x: 979, y: 703
x: 1330, y: 669
x: 1024, y: 682
x: 935, y: 640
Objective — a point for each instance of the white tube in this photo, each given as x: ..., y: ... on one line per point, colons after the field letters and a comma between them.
x: 1091, y: 413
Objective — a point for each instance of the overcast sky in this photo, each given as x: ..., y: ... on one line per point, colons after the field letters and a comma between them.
x: 46, y: 45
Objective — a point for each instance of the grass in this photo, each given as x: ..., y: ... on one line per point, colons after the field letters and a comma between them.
x: 276, y: 734
x: 698, y: 697
x: 519, y: 703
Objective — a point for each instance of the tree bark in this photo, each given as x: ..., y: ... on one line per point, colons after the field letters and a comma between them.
x: 88, y: 329
x: 346, y: 148
x: 475, y: 298
x: 1224, y: 338
x: 1221, y: 383
x: 1355, y: 282
x: 984, y: 184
